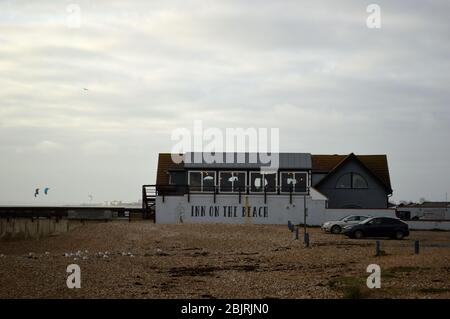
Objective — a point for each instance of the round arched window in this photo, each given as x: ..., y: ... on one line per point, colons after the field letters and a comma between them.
x: 345, y: 181
x: 358, y: 181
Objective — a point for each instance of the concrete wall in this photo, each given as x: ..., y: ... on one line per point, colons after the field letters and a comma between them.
x: 277, y: 210
x: 374, y: 196
x: 426, y: 212
x: 27, y: 228
x: 429, y: 225
x: 227, y: 209
x: 91, y: 214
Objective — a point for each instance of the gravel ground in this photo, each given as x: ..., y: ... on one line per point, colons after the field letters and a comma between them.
x: 144, y: 260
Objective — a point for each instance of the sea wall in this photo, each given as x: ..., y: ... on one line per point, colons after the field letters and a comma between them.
x: 34, y: 228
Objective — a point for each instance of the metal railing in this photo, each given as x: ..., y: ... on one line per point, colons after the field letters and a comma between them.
x: 177, y: 190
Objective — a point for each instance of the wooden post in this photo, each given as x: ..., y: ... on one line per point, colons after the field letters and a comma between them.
x: 306, y: 239
x: 188, y: 194
x: 290, y: 195
x: 265, y: 194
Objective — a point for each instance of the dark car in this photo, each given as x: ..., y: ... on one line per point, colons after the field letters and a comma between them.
x: 378, y: 227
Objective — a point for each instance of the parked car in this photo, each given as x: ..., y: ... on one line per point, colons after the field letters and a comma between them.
x: 336, y: 226
x: 378, y: 227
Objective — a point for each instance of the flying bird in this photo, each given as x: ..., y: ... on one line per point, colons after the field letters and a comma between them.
x: 36, y: 192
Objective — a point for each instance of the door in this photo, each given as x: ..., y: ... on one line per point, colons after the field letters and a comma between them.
x: 375, y: 228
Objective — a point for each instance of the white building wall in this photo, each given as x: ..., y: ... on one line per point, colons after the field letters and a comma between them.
x: 202, y: 209
x: 277, y: 210
x: 429, y: 225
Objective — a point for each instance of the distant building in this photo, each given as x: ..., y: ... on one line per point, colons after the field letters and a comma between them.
x: 424, y: 211
x: 243, y: 189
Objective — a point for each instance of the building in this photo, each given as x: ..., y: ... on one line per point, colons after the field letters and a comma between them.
x: 352, y: 181
x: 242, y: 187
x: 424, y: 211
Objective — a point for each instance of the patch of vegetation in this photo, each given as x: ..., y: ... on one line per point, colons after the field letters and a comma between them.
x: 351, y: 287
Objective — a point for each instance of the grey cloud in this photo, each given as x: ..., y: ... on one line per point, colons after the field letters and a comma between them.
x: 312, y: 69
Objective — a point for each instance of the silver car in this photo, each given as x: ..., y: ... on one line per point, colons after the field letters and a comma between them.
x: 336, y: 226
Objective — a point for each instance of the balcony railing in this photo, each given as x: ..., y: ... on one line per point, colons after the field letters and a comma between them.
x: 177, y: 190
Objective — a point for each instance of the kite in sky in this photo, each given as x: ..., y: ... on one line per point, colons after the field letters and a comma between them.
x: 36, y: 192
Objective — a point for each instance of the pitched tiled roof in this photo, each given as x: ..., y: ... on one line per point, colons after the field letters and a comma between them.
x: 165, y: 164
x: 377, y: 164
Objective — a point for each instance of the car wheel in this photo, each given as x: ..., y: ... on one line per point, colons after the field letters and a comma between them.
x: 399, y: 235
x: 336, y: 229
x: 358, y: 234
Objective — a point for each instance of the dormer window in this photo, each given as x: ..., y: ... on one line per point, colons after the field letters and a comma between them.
x: 352, y: 180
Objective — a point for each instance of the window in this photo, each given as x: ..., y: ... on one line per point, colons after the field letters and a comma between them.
x: 345, y: 181
x: 226, y: 181
x: 177, y: 178
x: 195, y: 181
x: 351, y: 180
x: 259, y: 181
x: 232, y: 181
x: 375, y: 221
x: 209, y: 181
x: 297, y: 181
x: 202, y: 181
x: 358, y: 181
x: 404, y: 215
x: 390, y: 221
x: 240, y: 181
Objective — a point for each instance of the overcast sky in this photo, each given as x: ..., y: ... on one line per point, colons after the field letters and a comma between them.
x: 311, y: 68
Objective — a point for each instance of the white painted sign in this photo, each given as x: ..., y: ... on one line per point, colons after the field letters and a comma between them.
x: 277, y: 209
